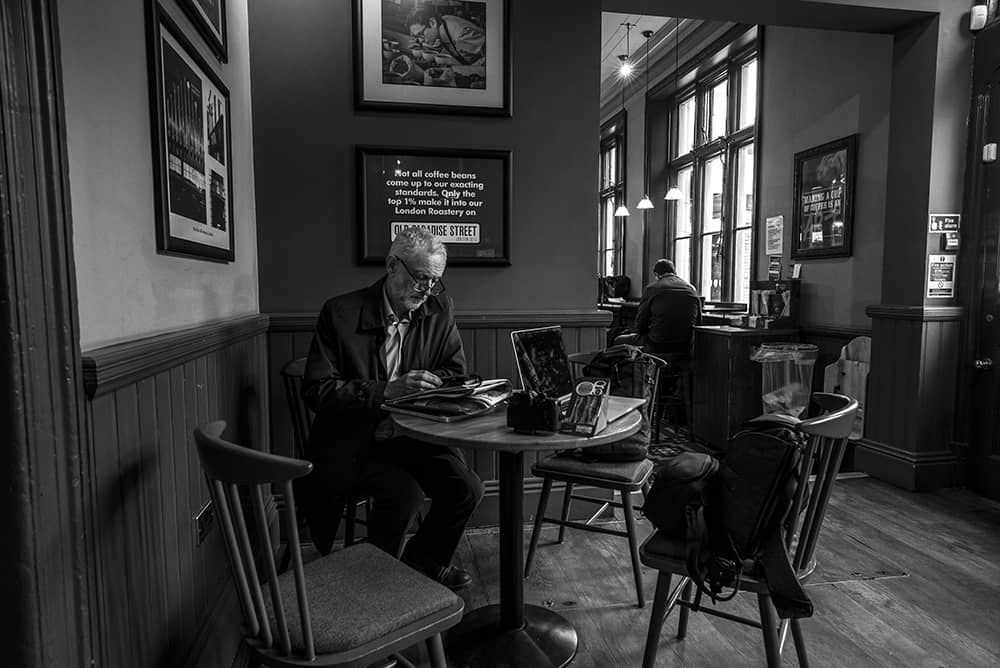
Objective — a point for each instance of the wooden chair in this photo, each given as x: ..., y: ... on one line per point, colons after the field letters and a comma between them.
x: 849, y: 376
x: 828, y: 435
x: 301, y: 417
x: 625, y: 478
x: 350, y: 608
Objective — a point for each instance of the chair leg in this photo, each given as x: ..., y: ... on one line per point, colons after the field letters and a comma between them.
x: 565, y: 510
x: 286, y: 558
x: 682, y: 621
x: 436, y: 650
x: 770, y: 630
x: 656, y: 618
x: 688, y: 398
x: 633, y: 544
x: 800, y: 644
x: 543, y: 502
x: 351, y: 515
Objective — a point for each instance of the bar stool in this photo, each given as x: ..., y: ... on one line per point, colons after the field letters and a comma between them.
x: 676, y: 394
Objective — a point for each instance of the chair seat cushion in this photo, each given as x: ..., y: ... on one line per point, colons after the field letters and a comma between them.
x: 619, y: 473
x: 357, y: 595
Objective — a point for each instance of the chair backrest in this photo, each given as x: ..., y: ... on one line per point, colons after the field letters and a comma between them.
x: 228, y: 468
x: 848, y: 375
x: 828, y: 433
x: 292, y: 374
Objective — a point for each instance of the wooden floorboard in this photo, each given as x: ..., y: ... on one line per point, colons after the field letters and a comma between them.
x: 904, y: 579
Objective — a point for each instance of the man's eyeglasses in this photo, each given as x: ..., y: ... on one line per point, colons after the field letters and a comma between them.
x: 431, y: 286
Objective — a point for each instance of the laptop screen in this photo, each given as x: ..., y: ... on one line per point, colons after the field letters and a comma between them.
x: 542, y: 362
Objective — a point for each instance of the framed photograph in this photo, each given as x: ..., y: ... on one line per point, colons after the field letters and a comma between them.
x: 441, y: 56
x: 209, y: 17
x: 823, y: 211
x: 461, y: 196
x: 192, y: 147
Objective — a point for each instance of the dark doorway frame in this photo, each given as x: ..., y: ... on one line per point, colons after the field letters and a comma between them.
x: 44, y: 580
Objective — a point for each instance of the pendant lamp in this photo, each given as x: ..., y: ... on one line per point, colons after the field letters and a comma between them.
x: 674, y: 193
x: 645, y: 202
x: 624, y: 70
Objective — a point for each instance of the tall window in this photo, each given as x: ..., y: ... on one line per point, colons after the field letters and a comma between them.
x: 611, y: 183
x: 712, y: 162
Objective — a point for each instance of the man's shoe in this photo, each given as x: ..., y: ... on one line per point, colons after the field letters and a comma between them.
x: 451, y: 577
x: 454, y: 577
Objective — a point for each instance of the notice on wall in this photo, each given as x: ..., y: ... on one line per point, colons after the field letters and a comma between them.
x: 774, y: 230
x: 944, y: 222
x: 941, y: 275
x: 460, y: 196
x: 774, y: 268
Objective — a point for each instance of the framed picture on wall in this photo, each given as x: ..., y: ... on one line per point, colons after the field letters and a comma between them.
x: 823, y: 210
x: 192, y: 147
x: 209, y: 17
x: 441, y: 56
x: 462, y: 196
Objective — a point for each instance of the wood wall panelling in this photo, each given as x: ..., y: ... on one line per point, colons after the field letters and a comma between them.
x: 909, y: 423
x: 163, y: 599
x: 486, y: 338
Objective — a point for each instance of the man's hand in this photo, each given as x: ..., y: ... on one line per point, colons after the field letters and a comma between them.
x: 410, y: 382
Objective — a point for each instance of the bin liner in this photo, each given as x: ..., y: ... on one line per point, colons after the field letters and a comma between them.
x: 786, y: 379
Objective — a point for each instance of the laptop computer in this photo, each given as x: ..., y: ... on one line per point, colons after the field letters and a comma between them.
x: 543, y: 366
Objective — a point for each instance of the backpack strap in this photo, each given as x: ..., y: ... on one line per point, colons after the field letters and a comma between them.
x: 790, y: 599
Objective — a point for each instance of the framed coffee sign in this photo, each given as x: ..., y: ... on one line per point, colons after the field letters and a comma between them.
x: 823, y: 211
x: 460, y: 195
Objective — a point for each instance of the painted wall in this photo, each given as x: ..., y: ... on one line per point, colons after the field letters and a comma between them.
x: 306, y: 127
x: 809, y: 99
x: 125, y: 289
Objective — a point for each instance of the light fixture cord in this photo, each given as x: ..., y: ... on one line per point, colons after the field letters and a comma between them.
x: 645, y: 163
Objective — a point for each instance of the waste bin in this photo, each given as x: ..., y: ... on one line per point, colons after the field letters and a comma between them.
x: 786, y: 378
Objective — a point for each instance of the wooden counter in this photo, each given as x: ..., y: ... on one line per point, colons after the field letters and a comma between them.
x: 727, y: 384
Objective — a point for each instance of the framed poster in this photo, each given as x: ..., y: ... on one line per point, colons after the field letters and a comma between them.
x: 441, y: 56
x: 209, y: 17
x: 462, y: 196
x: 192, y: 147
x: 823, y: 210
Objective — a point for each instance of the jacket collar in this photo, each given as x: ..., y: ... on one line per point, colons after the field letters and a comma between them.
x: 371, y: 307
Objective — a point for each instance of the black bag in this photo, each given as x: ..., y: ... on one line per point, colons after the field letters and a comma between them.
x: 631, y: 375
x: 732, y: 516
x: 675, y: 498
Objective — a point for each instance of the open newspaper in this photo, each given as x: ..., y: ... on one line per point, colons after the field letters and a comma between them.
x: 454, y: 400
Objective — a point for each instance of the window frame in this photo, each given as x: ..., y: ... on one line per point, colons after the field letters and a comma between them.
x: 613, y: 136
x: 729, y: 146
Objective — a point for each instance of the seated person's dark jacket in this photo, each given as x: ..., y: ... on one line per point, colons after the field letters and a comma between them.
x: 345, y: 378
x: 668, y: 312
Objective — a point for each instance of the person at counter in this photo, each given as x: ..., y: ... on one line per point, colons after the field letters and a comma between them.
x: 668, y: 312
x: 384, y: 341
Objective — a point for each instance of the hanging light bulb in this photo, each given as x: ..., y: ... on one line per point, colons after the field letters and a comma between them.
x: 674, y: 193
x: 621, y: 211
x: 645, y: 202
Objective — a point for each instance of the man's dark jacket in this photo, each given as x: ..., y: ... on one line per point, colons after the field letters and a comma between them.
x: 668, y: 312
x: 345, y: 380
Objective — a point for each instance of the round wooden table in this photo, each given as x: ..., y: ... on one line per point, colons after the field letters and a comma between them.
x: 512, y: 633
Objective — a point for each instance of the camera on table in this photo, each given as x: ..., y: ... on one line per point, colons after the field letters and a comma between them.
x: 529, y: 412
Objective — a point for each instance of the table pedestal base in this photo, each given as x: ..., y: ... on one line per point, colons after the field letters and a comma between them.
x: 547, y: 639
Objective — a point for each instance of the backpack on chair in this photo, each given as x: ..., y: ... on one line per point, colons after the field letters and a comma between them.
x: 729, y: 516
